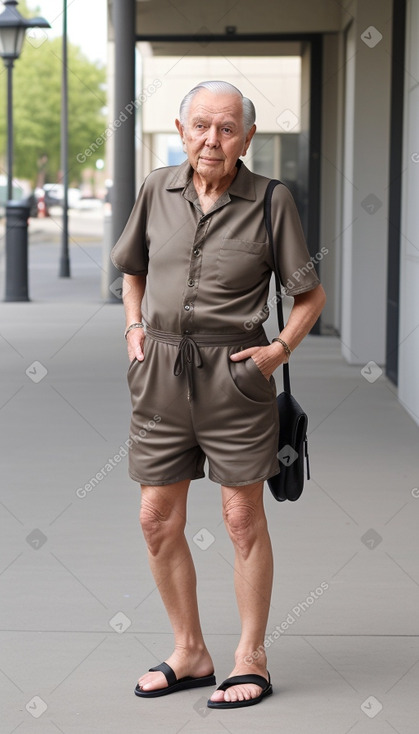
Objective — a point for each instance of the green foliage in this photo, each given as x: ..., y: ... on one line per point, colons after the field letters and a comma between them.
x: 37, y: 80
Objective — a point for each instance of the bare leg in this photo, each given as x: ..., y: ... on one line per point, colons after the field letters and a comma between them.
x: 163, y: 517
x: 245, y: 520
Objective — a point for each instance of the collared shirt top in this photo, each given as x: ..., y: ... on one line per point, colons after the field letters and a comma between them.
x: 210, y: 272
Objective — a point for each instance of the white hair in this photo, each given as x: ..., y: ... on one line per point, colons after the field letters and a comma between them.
x: 218, y: 87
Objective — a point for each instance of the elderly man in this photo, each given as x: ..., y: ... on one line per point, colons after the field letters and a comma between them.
x: 197, y: 268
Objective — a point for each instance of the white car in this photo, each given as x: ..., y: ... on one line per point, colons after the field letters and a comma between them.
x: 54, y: 195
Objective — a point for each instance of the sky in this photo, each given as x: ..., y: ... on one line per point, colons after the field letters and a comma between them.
x: 86, y: 23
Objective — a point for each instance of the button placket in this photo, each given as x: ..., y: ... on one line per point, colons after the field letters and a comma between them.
x: 192, y: 281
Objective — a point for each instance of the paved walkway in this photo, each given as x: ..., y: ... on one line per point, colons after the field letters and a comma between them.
x: 80, y: 615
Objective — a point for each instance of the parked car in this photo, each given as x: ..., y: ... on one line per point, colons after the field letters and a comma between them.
x: 40, y: 200
x: 89, y: 202
x: 54, y: 195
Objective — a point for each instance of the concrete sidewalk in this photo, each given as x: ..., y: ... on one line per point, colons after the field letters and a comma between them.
x: 81, y: 617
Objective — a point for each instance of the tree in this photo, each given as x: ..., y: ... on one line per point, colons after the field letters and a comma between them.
x: 37, y: 107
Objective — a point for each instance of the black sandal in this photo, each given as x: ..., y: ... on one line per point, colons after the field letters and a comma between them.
x: 173, y: 683
x: 237, y: 680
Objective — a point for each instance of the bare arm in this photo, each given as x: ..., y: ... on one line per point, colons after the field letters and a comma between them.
x: 132, y: 294
x: 304, y: 314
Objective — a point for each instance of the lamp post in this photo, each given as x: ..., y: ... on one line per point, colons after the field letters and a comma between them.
x: 64, y: 270
x: 12, y: 34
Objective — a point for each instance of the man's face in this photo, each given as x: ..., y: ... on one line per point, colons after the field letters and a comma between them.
x: 214, y: 135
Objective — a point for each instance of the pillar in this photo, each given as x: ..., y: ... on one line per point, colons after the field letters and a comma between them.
x: 123, y: 193
x: 366, y: 177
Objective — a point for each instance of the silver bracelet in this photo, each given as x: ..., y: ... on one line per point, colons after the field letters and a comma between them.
x: 137, y: 325
x: 284, y: 344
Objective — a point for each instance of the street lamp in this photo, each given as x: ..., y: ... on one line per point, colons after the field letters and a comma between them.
x: 12, y: 34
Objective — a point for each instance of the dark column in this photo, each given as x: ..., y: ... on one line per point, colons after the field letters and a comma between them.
x: 310, y: 147
x: 395, y: 189
x: 9, y: 66
x: 17, y: 251
x: 123, y: 192
x: 64, y: 268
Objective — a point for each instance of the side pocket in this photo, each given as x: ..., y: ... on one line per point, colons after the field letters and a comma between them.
x: 249, y: 380
x: 132, y: 369
x: 132, y: 363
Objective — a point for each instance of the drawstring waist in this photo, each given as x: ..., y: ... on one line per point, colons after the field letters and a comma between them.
x: 207, y: 339
x: 189, y: 355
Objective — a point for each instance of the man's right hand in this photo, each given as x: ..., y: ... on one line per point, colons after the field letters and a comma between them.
x: 135, y: 342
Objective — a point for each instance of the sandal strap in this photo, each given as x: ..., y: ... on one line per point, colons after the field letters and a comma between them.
x: 167, y: 671
x: 238, y: 680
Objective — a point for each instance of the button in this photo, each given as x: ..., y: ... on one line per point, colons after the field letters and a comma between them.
x: 186, y: 331
x: 187, y: 307
x: 191, y: 282
x: 197, y: 252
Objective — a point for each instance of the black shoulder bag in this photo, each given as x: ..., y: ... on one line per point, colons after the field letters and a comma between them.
x: 293, y: 421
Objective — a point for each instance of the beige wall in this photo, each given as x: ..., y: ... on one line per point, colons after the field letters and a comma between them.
x: 273, y: 85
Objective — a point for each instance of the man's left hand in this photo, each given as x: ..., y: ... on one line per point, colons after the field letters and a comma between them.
x: 266, y: 358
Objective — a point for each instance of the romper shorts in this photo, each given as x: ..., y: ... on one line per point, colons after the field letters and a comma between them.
x: 190, y: 402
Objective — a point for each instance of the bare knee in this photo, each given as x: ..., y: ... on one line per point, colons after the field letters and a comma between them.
x: 161, y: 525
x: 244, y: 522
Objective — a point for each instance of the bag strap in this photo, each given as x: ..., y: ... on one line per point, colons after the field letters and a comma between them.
x: 267, y: 206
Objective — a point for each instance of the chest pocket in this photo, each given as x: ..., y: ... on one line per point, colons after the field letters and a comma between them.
x: 241, y: 264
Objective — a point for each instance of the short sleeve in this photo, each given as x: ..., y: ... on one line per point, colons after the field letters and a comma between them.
x: 296, y: 267
x: 130, y: 254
